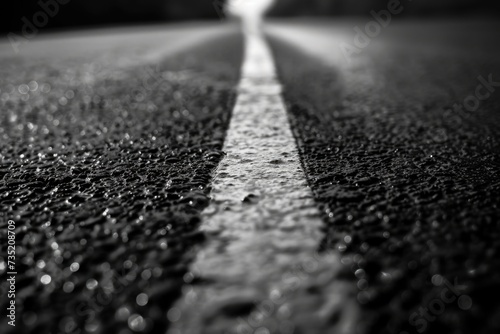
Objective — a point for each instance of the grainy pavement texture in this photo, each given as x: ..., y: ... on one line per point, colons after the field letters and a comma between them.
x: 109, y: 146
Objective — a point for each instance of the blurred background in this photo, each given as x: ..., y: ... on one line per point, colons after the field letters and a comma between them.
x: 78, y: 13
x: 363, y: 7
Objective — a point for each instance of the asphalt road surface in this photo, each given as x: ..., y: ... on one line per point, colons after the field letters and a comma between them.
x: 110, y: 144
x: 105, y: 170
x: 408, y: 185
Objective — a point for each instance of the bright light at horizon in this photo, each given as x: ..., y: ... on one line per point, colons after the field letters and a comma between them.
x: 246, y: 8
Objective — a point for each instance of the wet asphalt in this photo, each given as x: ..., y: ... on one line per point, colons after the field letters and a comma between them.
x: 409, y: 188
x: 105, y: 170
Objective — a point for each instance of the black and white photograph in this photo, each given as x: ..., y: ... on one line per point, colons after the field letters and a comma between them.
x: 250, y: 167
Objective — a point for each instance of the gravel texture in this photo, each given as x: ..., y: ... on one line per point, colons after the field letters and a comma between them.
x: 260, y: 271
x: 105, y: 171
x: 409, y: 192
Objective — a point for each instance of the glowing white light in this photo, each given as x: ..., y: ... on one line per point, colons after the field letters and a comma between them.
x: 46, y: 279
x: 248, y: 7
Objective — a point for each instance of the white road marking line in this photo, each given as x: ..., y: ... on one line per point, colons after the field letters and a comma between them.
x: 260, y: 266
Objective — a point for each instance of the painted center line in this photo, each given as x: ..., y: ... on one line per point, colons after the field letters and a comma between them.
x: 259, y: 271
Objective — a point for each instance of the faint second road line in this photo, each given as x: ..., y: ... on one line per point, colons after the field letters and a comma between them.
x: 259, y: 271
